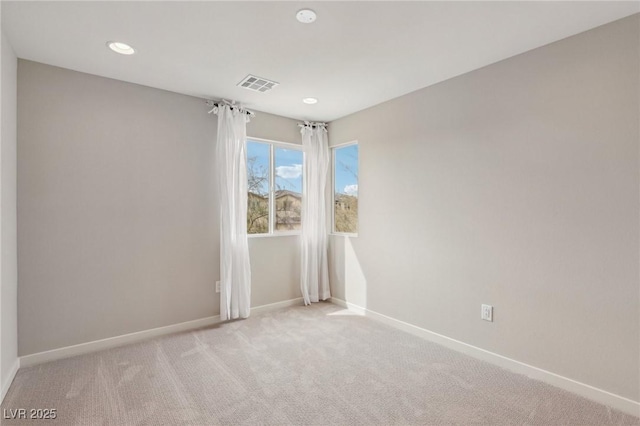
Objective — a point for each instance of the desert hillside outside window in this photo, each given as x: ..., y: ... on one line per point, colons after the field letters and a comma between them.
x: 345, y: 189
x: 274, y: 184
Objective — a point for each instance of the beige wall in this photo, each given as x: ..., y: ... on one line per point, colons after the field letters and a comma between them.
x: 516, y: 185
x: 8, y: 267
x: 117, y: 201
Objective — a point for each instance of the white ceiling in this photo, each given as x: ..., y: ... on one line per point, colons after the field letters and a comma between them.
x: 354, y: 56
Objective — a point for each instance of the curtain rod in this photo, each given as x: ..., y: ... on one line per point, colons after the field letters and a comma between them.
x: 232, y: 105
x: 312, y: 125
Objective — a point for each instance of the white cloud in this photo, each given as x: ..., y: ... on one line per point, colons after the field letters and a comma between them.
x: 351, y: 190
x: 289, y: 172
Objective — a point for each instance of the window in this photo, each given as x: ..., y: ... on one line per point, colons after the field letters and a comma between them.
x: 274, y: 184
x: 258, y: 184
x: 288, y: 193
x: 345, y: 189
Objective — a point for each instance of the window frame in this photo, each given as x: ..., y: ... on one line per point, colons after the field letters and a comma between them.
x: 334, y: 148
x: 272, y: 184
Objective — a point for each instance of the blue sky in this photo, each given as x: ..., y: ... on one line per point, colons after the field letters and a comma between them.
x: 346, y: 168
x: 288, y: 169
x: 260, y: 152
x: 288, y: 163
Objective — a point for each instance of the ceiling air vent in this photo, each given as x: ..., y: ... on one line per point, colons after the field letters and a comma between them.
x: 257, y: 84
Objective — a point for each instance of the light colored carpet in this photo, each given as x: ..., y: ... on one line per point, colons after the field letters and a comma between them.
x: 302, y: 365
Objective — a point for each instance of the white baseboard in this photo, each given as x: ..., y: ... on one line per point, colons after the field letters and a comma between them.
x: 112, y: 342
x: 7, y: 382
x: 277, y: 305
x: 598, y: 395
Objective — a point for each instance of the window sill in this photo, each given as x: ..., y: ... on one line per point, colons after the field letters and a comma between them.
x: 343, y: 234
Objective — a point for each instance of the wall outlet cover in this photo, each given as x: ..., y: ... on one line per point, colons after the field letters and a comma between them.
x: 217, y: 286
x: 487, y: 313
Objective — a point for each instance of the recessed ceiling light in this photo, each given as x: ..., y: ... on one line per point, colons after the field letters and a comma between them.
x: 122, y: 48
x: 310, y: 101
x: 306, y: 16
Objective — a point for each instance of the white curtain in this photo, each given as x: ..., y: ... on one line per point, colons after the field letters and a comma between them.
x: 231, y: 162
x: 314, y: 271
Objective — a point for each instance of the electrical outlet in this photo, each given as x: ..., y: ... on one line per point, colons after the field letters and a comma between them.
x: 217, y: 286
x: 487, y: 313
